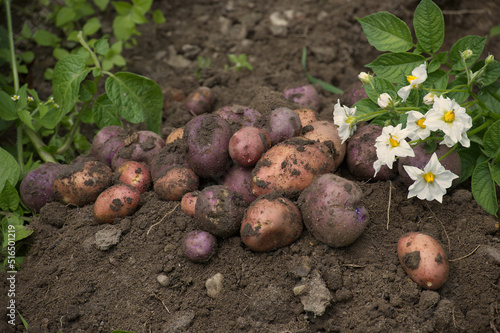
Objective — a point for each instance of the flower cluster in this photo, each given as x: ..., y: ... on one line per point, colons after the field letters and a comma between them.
x: 445, y: 121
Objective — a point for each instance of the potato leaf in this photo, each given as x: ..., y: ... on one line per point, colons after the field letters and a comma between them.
x: 387, y: 32
x: 9, y: 169
x: 483, y: 188
x: 473, y: 43
x: 105, y: 113
x: 9, y: 198
x: 390, y: 65
x: 7, y: 107
x: 428, y: 22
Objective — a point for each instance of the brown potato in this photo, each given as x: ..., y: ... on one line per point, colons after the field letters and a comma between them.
x: 117, y: 201
x: 424, y: 260
x: 324, y: 131
x: 306, y: 116
x: 175, y: 182
x: 81, y: 183
x: 291, y: 166
x: 270, y: 223
x: 188, y: 203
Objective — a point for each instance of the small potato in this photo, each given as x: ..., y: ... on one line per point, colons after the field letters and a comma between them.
x: 107, y: 142
x: 333, y: 211
x: 135, y: 174
x: 305, y: 96
x: 200, y: 101
x: 117, y: 201
x: 239, y: 116
x: 424, y: 260
x: 283, y: 124
x: 306, y: 116
x: 247, y: 145
x: 36, y: 186
x: 291, y: 166
x: 141, y: 146
x: 175, y: 135
x: 188, y: 202
x: 239, y: 180
x: 175, y: 182
x: 324, y: 131
x: 199, y: 246
x: 81, y: 183
x: 270, y: 223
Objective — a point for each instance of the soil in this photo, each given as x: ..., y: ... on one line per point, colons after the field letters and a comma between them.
x: 80, y: 276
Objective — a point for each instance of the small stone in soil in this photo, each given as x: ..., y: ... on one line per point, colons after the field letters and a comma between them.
x: 163, y: 280
x: 214, y: 285
x: 314, y: 294
x: 107, y: 237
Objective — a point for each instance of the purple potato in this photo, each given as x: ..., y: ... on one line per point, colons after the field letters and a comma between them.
x: 239, y: 180
x: 239, y: 116
x: 200, y: 101
x: 305, y: 96
x: 36, y: 187
x: 141, y: 146
x: 107, y: 142
x: 199, y: 246
x: 283, y: 124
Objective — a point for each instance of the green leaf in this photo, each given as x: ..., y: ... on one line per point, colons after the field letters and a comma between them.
x: 101, y: 4
x: 143, y: 5
x: 428, y: 22
x: 437, y: 80
x: 491, y: 140
x: 104, y: 112
x: 490, y: 74
x: 458, y: 96
x: 26, y: 118
x: 391, y: 66
x: 60, y: 53
x: 122, y: 7
x: 483, y: 188
x: 88, y: 89
x: 136, y: 98
x: 495, y: 173
x: 365, y: 106
x: 26, y: 31
x: 137, y: 16
x: 387, y: 32
x: 469, y: 158
x: 158, y: 17
x: 490, y: 96
x: 65, y: 15
x: 381, y: 86
x: 28, y: 56
x: 434, y: 65
x: 50, y: 117
x: 9, y: 198
x: 68, y: 74
x: 124, y: 27
x: 7, y: 107
x: 45, y: 38
x: 91, y: 26
x: 473, y: 43
x: 9, y: 169
x: 101, y: 46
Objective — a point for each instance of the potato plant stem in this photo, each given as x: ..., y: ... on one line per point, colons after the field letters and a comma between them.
x: 38, y: 143
x: 11, y: 46
x: 87, y: 47
x: 71, y: 134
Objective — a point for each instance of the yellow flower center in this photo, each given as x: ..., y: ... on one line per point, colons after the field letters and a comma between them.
x: 449, y: 116
x: 393, y: 140
x: 420, y: 123
x: 350, y: 120
x: 429, y: 177
x: 411, y: 78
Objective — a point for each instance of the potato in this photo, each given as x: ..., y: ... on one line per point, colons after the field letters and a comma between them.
x: 207, y: 137
x: 81, y: 183
x: 239, y: 116
x: 305, y: 96
x: 248, y: 144
x: 424, y: 260
x: 333, y: 211
x: 141, y: 146
x: 107, y: 142
x: 219, y: 211
x: 361, y: 154
x: 283, y: 124
x: 36, y: 186
x: 175, y: 182
x: 200, y: 101
x: 199, y: 246
x: 291, y: 166
x: 324, y: 131
x: 239, y: 179
x: 171, y: 154
x: 135, y: 174
x: 117, y: 201
x: 269, y: 223
x: 306, y: 116
x: 188, y: 203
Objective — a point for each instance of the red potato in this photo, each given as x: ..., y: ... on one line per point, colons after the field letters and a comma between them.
x: 81, y: 183
x: 324, y: 131
x: 361, y: 154
x: 270, y: 223
x: 175, y: 182
x: 248, y: 144
x: 306, y: 116
x: 188, y: 203
x: 116, y: 201
x: 424, y: 260
x: 199, y: 246
x: 141, y: 146
x: 305, y: 96
x: 207, y: 137
x: 219, y: 211
x: 135, y: 174
x: 107, y: 142
x: 283, y: 124
x: 200, y: 101
x: 291, y: 166
x: 333, y: 211
x: 36, y: 187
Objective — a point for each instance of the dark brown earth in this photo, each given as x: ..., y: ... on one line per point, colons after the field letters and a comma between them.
x: 68, y: 284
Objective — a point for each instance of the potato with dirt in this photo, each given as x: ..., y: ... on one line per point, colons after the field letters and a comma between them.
x: 219, y: 211
x: 361, y: 154
x: 81, y: 183
x: 116, y: 201
x: 306, y: 96
x: 199, y: 101
x: 283, y: 124
x: 291, y: 166
x: 135, y: 174
x: 176, y: 181
x: 271, y: 222
x: 36, y: 186
x: 324, y: 131
x: 239, y: 116
x: 199, y: 246
x: 248, y: 144
x: 424, y: 260
x: 333, y: 211
x: 107, y: 142
x: 239, y: 180
x: 141, y: 146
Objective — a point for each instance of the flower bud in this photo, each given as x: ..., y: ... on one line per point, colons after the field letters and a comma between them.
x: 429, y: 99
x: 489, y: 59
x: 466, y: 54
x: 365, y: 77
x: 384, y: 100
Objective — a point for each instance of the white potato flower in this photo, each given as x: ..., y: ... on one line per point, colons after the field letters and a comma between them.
x: 389, y: 144
x: 343, y: 117
x: 431, y: 182
x: 365, y: 77
x: 415, y: 126
x: 384, y: 100
x: 448, y: 116
x: 429, y: 98
x: 417, y: 77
